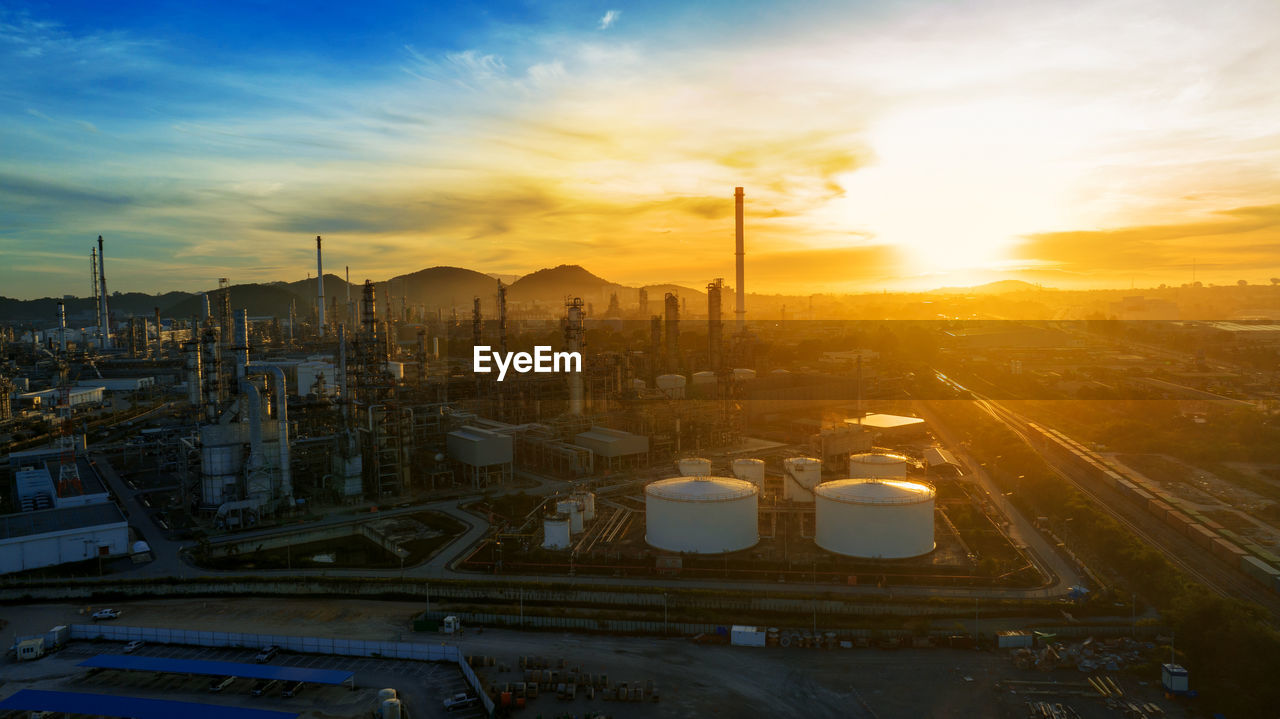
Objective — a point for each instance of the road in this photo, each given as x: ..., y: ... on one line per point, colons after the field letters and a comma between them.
x: 1197, y: 563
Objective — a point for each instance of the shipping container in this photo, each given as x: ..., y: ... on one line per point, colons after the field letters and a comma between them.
x: 1202, y: 536
x: 1228, y: 551
x: 1262, y: 572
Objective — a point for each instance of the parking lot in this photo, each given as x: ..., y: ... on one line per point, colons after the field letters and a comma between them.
x: 422, y: 685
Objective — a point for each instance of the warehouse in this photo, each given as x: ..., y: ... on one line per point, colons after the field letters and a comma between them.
x: 45, y: 538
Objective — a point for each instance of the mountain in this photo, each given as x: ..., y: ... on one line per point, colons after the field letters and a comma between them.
x: 556, y: 283
x: 439, y: 287
x: 999, y: 287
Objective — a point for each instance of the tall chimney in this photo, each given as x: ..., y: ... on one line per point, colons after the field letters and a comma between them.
x: 62, y: 329
x: 741, y: 289
x: 97, y: 297
x: 320, y: 327
x: 104, y: 314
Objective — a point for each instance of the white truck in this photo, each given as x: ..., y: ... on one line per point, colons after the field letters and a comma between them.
x: 34, y: 646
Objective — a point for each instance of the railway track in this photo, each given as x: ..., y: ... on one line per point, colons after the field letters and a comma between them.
x: 1177, y: 549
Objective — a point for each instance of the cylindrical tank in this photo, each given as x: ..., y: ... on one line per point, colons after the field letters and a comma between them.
x: 639, y: 385
x: 555, y: 532
x: 751, y: 470
x: 704, y: 378
x: 385, y: 694
x: 802, y: 474
x: 390, y: 709
x: 874, y: 518
x: 573, y: 510
x: 694, y: 466
x: 221, y: 459
x: 587, y: 500
x: 672, y: 385
x: 743, y: 374
x: 701, y: 515
x: 883, y: 465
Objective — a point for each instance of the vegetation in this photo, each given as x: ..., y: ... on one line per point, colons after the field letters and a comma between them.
x: 1230, y: 646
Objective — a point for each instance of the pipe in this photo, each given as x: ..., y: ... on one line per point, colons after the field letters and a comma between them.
x: 740, y: 255
x: 342, y: 376
x: 320, y: 326
x: 104, y: 318
x: 254, y: 400
x: 573, y: 343
x: 281, y: 390
x: 195, y: 391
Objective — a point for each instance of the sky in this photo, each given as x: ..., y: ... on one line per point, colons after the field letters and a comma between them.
x: 899, y: 145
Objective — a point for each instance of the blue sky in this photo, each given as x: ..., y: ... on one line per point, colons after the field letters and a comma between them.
x: 882, y: 144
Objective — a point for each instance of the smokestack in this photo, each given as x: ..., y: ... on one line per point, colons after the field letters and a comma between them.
x: 741, y: 289
x: 62, y: 328
x: 159, y: 340
x: 351, y: 309
x: 320, y: 327
x: 104, y: 314
x: 97, y: 297
x: 714, y: 324
x: 573, y: 343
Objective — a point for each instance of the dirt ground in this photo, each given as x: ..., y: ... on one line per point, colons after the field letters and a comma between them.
x: 693, y: 679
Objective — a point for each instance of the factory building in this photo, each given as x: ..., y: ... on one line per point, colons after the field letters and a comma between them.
x: 484, y: 456
x: 615, y: 447
x: 49, y: 537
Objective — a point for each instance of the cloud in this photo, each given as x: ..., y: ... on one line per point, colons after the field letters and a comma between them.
x: 1242, y: 239
x: 609, y: 19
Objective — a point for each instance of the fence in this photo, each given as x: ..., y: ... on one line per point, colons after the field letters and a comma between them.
x: 305, y: 645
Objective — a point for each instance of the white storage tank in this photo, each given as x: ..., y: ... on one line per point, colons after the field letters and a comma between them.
x: 672, y: 385
x: 743, y: 374
x: 874, y: 518
x: 701, y: 515
x: 587, y: 500
x: 883, y: 465
x: 751, y: 470
x: 639, y: 385
x: 694, y: 466
x: 573, y: 510
x: 556, y: 532
x: 802, y: 474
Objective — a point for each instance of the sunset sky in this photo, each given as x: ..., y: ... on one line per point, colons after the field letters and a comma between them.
x: 882, y: 145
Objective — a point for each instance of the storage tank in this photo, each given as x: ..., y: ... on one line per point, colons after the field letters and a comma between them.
x: 874, y: 518
x: 743, y: 374
x: 639, y: 385
x: 751, y: 470
x: 884, y: 465
x: 694, y: 466
x: 587, y: 500
x: 573, y: 510
x: 556, y: 532
x: 802, y: 474
x: 701, y: 515
x: 672, y: 385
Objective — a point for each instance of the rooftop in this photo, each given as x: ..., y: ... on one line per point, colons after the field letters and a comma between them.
x: 26, y: 524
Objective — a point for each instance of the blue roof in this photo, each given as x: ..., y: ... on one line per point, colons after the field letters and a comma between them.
x: 222, y: 669
x: 138, y: 708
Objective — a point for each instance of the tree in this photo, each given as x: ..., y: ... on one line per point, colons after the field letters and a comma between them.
x: 1242, y: 283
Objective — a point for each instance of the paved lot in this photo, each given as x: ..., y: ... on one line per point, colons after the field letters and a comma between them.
x: 693, y: 679
x: 422, y: 685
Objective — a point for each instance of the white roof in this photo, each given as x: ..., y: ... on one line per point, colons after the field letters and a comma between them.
x: 700, y: 489
x: 874, y: 491
x: 878, y: 457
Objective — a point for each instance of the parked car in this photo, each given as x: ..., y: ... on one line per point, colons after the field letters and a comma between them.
x: 267, y: 654
x: 220, y: 683
x: 106, y: 614
x: 262, y: 686
x: 458, y: 701
x: 290, y: 689
x: 133, y: 646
